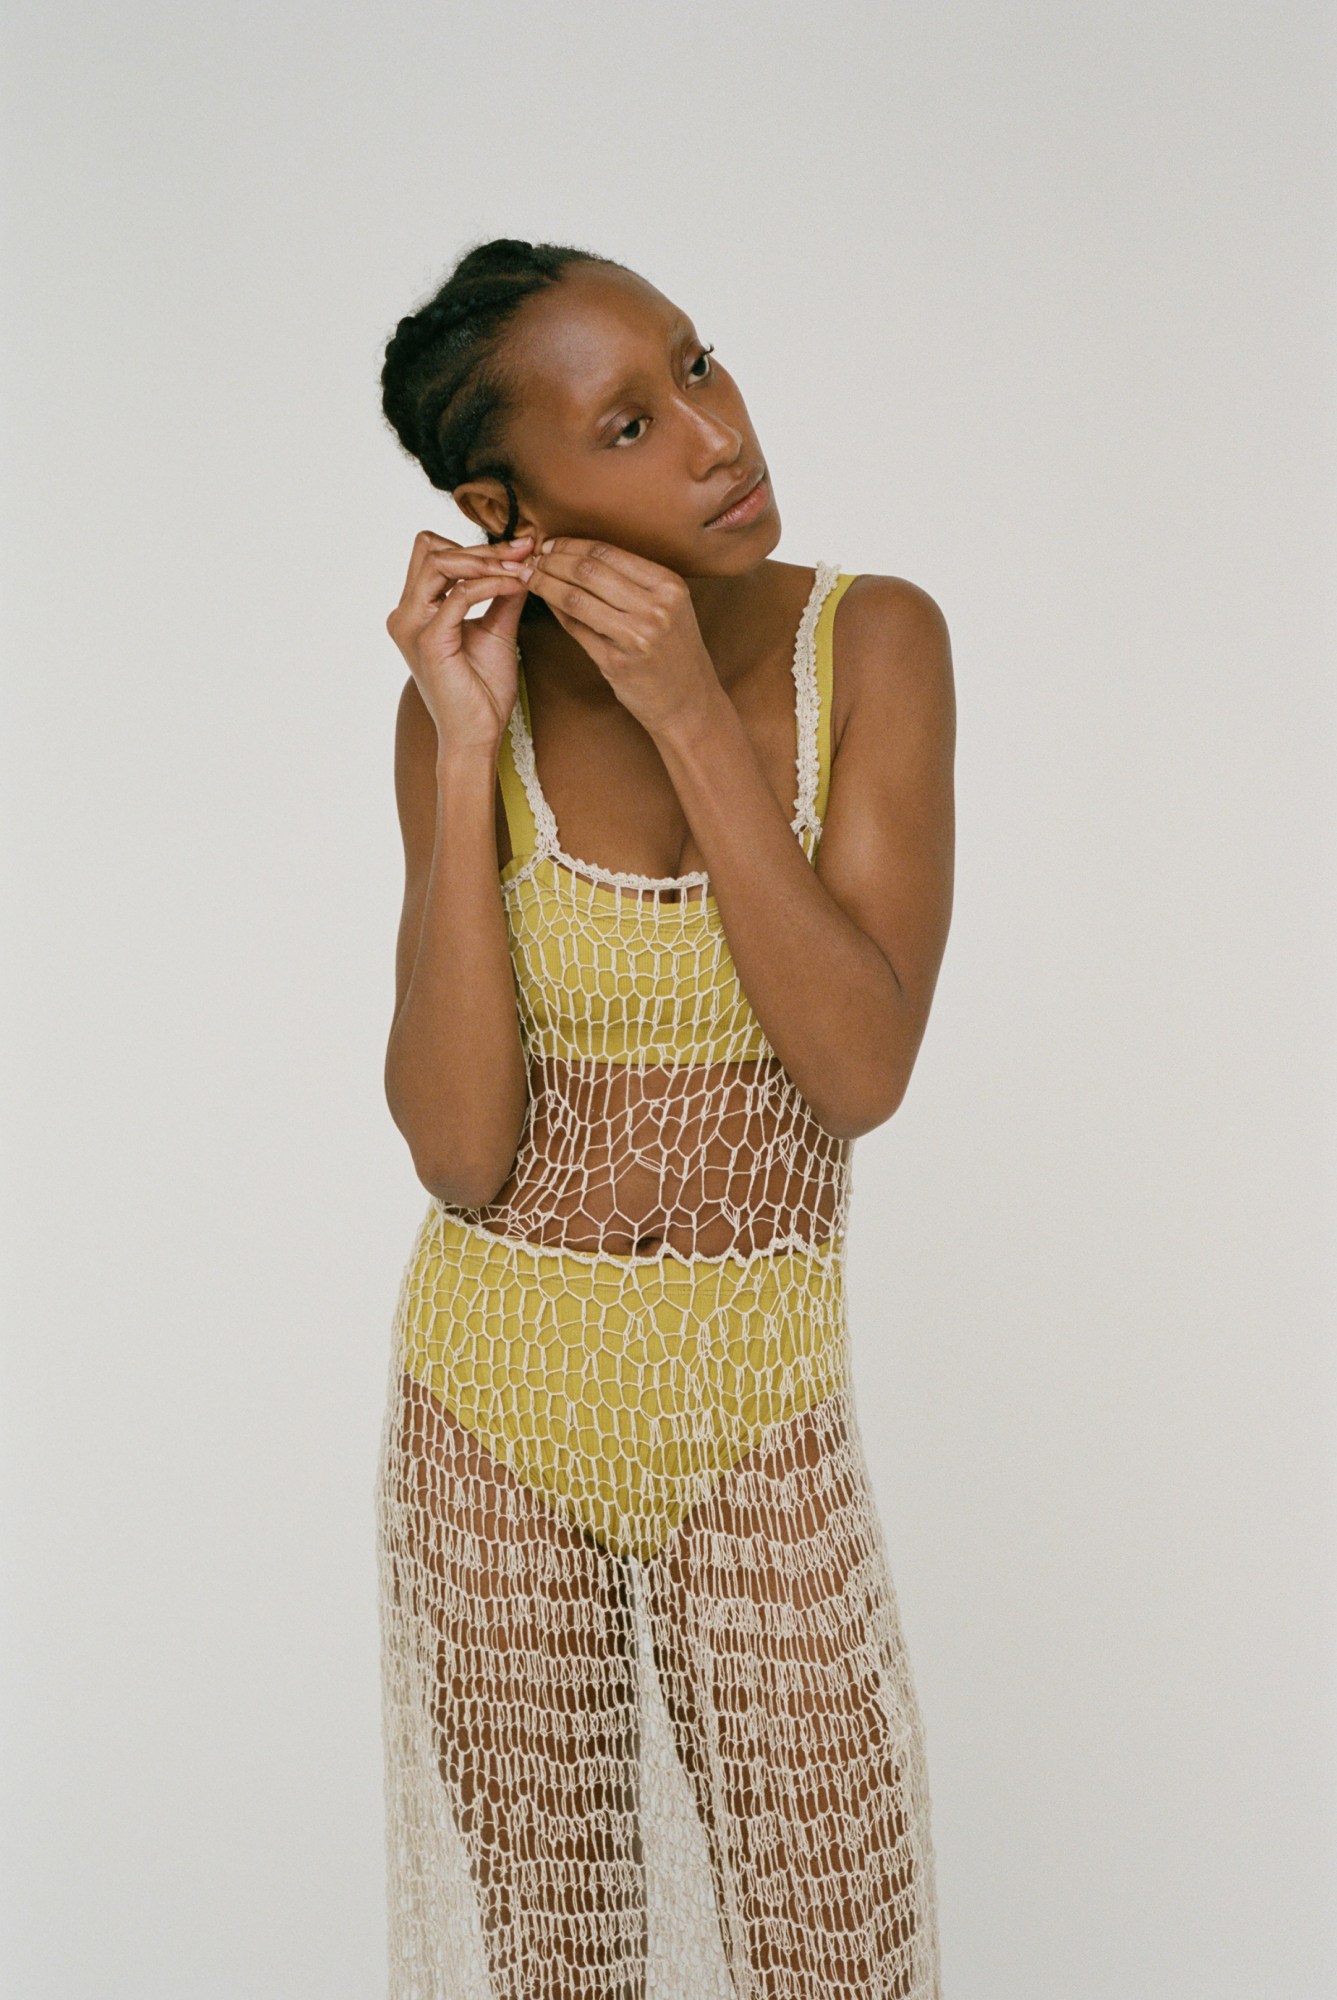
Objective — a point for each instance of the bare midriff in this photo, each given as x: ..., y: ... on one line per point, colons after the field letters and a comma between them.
x: 614, y: 1159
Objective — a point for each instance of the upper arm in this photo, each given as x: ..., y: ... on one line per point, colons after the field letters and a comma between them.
x: 415, y: 795
x: 888, y: 843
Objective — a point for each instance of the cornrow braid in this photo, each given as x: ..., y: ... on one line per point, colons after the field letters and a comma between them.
x: 442, y: 390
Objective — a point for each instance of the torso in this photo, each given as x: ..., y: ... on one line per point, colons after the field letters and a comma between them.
x: 704, y: 1160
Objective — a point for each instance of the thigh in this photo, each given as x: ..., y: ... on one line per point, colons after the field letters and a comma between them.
x: 534, y: 1711
x: 778, y: 1642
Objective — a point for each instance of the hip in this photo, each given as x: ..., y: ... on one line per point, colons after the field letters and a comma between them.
x: 494, y: 1320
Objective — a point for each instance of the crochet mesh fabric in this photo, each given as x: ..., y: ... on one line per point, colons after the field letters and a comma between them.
x: 650, y: 1726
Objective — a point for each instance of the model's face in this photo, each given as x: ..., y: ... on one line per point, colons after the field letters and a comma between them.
x: 626, y: 430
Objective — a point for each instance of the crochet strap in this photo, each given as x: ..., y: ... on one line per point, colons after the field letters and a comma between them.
x: 823, y: 668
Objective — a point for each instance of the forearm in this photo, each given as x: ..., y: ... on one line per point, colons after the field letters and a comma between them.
x: 455, y: 1075
x: 827, y: 998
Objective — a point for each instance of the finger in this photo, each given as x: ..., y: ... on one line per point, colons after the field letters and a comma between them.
x: 473, y: 590
x: 427, y: 538
x: 501, y: 620
x: 441, y: 569
x: 426, y: 543
x: 571, y: 600
x: 638, y: 568
x: 449, y: 609
x: 593, y: 573
x: 430, y: 550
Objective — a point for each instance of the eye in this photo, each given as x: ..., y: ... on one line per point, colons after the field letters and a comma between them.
x: 622, y: 436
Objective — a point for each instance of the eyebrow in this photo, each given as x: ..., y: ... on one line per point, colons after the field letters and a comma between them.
x: 609, y: 397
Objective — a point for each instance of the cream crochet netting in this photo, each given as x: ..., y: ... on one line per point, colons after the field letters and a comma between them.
x: 650, y: 1726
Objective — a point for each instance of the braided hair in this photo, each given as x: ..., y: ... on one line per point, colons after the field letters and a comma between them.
x: 442, y: 389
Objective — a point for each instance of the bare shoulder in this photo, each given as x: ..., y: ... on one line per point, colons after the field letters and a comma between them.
x: 887, y: 851
x: 893, y: 655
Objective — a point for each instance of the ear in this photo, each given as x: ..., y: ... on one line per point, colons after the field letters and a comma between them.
x: 486, y: 503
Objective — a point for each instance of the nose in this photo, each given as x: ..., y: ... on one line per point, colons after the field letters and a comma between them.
x: 715, y: 442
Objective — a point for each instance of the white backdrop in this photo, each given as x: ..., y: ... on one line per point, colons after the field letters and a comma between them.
x: 1031, y: 304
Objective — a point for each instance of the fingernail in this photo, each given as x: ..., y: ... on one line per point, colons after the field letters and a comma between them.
x: 548, y: 544
x: 511, y: 565
x: 518, y: 541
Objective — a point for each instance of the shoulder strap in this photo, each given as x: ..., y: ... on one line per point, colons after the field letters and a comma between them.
x: 825, y: 659
x: 520, y: 820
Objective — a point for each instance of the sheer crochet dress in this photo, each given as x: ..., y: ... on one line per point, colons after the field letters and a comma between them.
x: 649, y: 1723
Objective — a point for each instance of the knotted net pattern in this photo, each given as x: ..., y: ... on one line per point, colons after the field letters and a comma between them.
x: 650, y: 1727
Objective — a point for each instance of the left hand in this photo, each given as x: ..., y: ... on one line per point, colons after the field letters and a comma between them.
x: 637, y: 622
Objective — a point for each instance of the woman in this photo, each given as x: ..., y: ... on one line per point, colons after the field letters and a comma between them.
x: 650, y: 1725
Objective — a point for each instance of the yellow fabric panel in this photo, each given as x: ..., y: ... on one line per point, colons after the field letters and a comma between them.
x: 597, y: 981
x: 621, y: 1387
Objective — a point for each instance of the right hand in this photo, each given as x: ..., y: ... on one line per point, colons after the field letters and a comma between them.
x: 465, y: 668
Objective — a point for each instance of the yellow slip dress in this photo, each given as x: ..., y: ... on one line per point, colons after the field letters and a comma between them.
x: 650, y: 1726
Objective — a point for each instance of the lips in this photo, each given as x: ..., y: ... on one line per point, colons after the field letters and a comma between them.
x: 739, y: 492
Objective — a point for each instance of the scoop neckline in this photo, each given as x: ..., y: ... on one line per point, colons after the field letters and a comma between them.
x: 627, y: 883
x: 627, y: 889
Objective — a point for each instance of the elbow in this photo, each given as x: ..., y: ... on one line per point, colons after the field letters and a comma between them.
x: 460, y: 1183
x: 462, y: 1159
x: 458, y: 1176
x: 454, y: 1192
x: 467, y: 1175
x: 865, y: 1109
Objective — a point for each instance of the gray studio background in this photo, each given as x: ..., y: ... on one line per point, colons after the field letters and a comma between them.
x: 1032, y: 305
